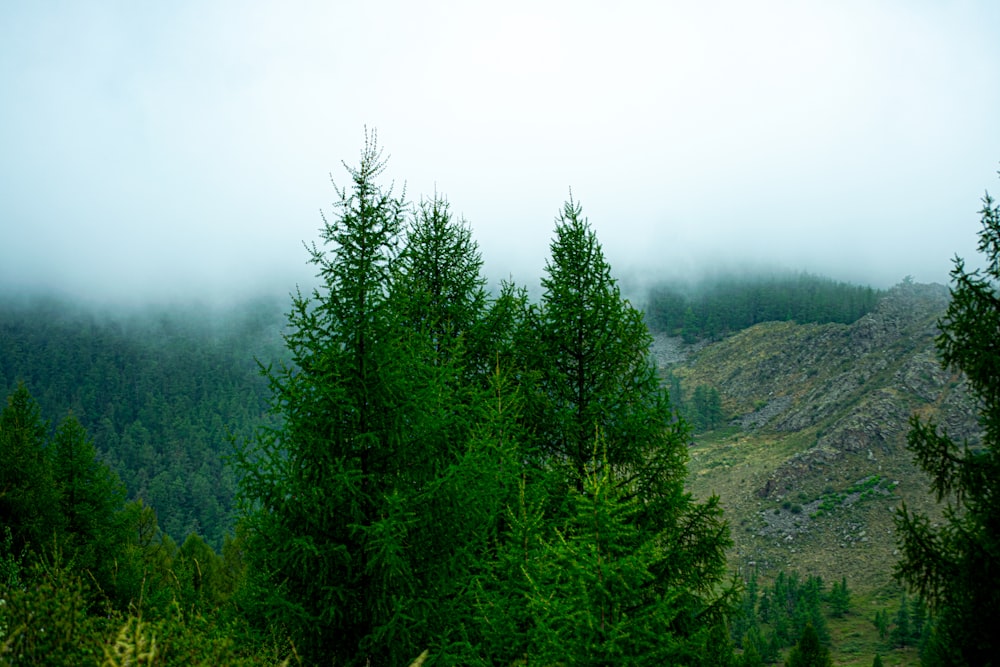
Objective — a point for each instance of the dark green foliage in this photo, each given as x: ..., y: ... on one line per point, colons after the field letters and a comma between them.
x: 701, y: 408
x: 589, y: 591
x: 877, y: 661
x: 901, y: 634
x: 956, y: 567
x: 479, y: 478
x: 776, y: 616
x: 29, y: 500
x: 881, y: 622
x: 730, y: 304
x: 595, y: 375
x: 90, y: 497
x: 326, y: 489
x: 718, y: 648
x: 159, y: 391
x: 839, y: 598
x: 750, y: 657
x: 444, y: 474
x: 794, y: 605
x: 745, y: 618
x: 597, y: 408
x: 372, y: 505
x: 809, y: 651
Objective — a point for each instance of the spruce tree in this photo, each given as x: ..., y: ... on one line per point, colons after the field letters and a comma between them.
x: 90, y: 496
x: 809, y: 651
x: 29, y: 501
x: 375, y: 503
x: 900, y: 636
x: 324, y: 489
x: 603, y: 423
x: 596, y: 374
x: 955, y: 567
x: 839, y: 598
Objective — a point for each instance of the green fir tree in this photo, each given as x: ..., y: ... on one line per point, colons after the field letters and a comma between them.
x: 955, y: 567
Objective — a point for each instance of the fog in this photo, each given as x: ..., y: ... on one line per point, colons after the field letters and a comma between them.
x: 184, y: 150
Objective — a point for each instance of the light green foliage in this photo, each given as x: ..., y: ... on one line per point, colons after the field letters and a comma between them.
x: 588, y: 586
x: 45, y: 620
x: 956, y: 566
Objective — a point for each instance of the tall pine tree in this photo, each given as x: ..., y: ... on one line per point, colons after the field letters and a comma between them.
x: 603, y: 424
x: 29, y: 502
x: 955, y: 567
x: 324, y: 487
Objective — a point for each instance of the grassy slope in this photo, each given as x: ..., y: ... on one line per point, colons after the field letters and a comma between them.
x: 813, y: 465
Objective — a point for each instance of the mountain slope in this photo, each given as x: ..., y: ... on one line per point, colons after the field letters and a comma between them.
x: 813, y: 462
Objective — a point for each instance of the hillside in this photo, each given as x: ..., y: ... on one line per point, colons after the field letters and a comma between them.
x: 160, y: 391
x: 812, y: 461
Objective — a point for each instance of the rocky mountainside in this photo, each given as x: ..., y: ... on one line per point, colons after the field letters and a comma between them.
x: 813, y: 461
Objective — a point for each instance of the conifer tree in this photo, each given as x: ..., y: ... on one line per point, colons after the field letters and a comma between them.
x: 598, y: 412
x: 29, y: 502
x: 839, y: 598
x: 956, y: 567
x: 809, y: 652
x: 372, y: 505
x: 90, y: 496
x: 901, y: 633
x: 325, y: 488
x: 596, y: 374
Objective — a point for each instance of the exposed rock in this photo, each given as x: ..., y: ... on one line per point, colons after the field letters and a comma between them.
x: 833, y: 404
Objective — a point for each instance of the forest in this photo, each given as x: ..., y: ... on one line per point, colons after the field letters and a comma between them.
x: 406, y: 468
x: 726, y: 304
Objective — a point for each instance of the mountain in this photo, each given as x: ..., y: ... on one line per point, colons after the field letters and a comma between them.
x: 161, y: 391
x: 811, y: 462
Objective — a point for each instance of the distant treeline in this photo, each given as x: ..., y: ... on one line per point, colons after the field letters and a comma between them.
x: 160, y: 391
x: 726, y: 305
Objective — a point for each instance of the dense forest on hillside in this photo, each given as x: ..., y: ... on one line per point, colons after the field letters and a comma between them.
x: 407, y: 469
x: 159, y: 390
x: 727, y: 304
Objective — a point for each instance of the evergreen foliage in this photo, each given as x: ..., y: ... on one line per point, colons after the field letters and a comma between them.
x: 839, y: 598
x: 28, y: 494
x: 701, y: 409
x: 467, y: 478
x: 901, y: 634
x: 727, y: 305
x: 956, y: 567
x: 596, y: 407
x: 482, y: 478
x: 159, y: 391
x: 775, y: 617
x: 809, y: 651
x: 327, y: 490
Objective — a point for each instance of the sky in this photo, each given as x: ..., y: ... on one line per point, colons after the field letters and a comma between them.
x: 176, y: 150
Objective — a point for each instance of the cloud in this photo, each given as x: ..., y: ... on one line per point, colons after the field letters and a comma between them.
x: 187, y: 147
